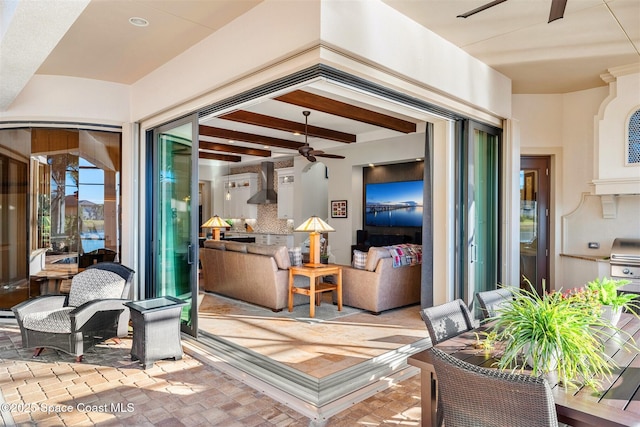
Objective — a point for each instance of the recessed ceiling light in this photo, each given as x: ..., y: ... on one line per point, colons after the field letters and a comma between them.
x: 370, y: 165
x: 418, y: 159
x: 138, y: 22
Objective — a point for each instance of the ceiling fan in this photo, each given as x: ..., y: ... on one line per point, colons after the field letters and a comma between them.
x: 308, y: 152
x: 556, y: 12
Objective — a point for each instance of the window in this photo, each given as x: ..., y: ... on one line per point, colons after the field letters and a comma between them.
x: 69, y: 184
x: 633, y: 141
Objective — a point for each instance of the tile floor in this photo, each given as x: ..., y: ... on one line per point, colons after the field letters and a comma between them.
x: 109, y: 389
x: 314, y: 346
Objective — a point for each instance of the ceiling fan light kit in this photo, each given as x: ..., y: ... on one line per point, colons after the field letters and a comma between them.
x: 308, y: 152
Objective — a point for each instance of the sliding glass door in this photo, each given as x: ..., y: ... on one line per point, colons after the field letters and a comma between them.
x: 175, y: 216
x: 479, y: 202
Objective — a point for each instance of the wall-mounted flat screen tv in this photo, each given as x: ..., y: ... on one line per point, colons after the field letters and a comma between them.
x: 393, y: 204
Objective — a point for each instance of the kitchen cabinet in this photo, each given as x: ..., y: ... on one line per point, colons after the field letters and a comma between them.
x: 285, y: 193
x: 240, y: 187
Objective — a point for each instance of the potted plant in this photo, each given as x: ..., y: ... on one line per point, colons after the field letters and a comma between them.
x: 613, y: 301
x: 556, y: 332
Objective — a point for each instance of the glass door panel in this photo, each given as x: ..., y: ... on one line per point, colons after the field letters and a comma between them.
x: 479, y: 222
x: 175, y: 216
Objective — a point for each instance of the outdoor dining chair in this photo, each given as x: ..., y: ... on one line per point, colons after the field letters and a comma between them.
x: 490, y: 301
x: 447, y: 320
x: 472, y: 396
x: 93, y: 312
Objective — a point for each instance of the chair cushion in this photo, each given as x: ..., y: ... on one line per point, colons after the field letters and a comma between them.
x: 93, y: 284
x: 54, y: 321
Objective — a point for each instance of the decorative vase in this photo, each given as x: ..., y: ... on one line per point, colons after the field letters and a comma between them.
x: 543, y: 366
x: 611, y: 314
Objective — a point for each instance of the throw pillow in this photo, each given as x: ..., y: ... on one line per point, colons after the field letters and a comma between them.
x: 295, y: 256
x: 375, y: 255
x: 359, y: 259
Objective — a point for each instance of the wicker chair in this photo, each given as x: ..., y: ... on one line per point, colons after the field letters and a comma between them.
x: 490, y: 301
x: 469, y: 395
x: 92, y: 312
x: 447, y: 320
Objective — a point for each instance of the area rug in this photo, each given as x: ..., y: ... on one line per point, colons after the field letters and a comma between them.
x: 218, y: 304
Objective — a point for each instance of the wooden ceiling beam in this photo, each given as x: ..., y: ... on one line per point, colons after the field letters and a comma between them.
x: 215, y: 146
x: 338, y: 108
x: 222, y: 157
x: 262, y: 120
x: 248, y: 137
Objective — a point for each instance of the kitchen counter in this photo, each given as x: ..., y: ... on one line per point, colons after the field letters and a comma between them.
x: 597, y: 258
x: 265, y: 238
x: 579, y: 269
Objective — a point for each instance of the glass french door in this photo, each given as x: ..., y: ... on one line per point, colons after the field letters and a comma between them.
x: 479, y: 202
x: 175, y: 216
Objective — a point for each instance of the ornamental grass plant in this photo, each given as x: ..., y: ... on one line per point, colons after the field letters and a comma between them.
x: 607, y: 293
x: 555, y: 332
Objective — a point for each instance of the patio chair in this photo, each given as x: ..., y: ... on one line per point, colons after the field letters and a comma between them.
x: 490, y: 301
x: 92, y: 312
x: 447, y: 320
x: 469, y: 395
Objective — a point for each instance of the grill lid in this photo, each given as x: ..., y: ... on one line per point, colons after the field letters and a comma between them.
x: 625, y: 251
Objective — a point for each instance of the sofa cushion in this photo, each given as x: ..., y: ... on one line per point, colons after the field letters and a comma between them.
x: 359, y: 259
x: 375, y: 254
x: 295, y: 256
x: 236, y: 246
x: 214, y: 244
x: 279, y: 253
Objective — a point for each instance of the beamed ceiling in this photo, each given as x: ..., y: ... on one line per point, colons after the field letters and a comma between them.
x: 276, y: 127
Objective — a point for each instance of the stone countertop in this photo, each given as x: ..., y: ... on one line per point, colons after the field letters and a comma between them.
x: 595, y: 258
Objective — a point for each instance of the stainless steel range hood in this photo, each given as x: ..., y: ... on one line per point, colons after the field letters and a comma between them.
x: 267, y: 195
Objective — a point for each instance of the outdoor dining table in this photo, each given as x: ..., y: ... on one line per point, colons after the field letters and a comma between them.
x: 614, y: 402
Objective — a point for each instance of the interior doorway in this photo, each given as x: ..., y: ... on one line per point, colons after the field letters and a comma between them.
x: 534, y: 222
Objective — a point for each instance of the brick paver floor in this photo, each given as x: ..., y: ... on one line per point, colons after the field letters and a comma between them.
x: 109, y: 389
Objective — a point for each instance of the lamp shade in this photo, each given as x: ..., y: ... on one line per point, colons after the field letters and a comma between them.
x: 314, y: 224
x: 215, y: 222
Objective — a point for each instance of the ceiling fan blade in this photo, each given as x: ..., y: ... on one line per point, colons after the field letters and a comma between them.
x: 557, y: 9
x: 481, y: 8
x: 330, y: 156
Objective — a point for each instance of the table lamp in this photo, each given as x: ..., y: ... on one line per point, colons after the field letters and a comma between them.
x: 215, y: 223
x: 314, y: 226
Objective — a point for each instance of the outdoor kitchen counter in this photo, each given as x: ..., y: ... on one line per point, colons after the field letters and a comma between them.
x: 578, y: 270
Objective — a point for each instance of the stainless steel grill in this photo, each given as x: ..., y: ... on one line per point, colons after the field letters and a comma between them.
x: 625, y: 262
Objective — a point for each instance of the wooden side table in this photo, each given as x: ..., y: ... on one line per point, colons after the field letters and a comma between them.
x: 156, y: 329
x: 316, y: 287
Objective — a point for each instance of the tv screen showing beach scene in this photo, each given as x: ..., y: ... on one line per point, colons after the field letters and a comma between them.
x: 394, y: 204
